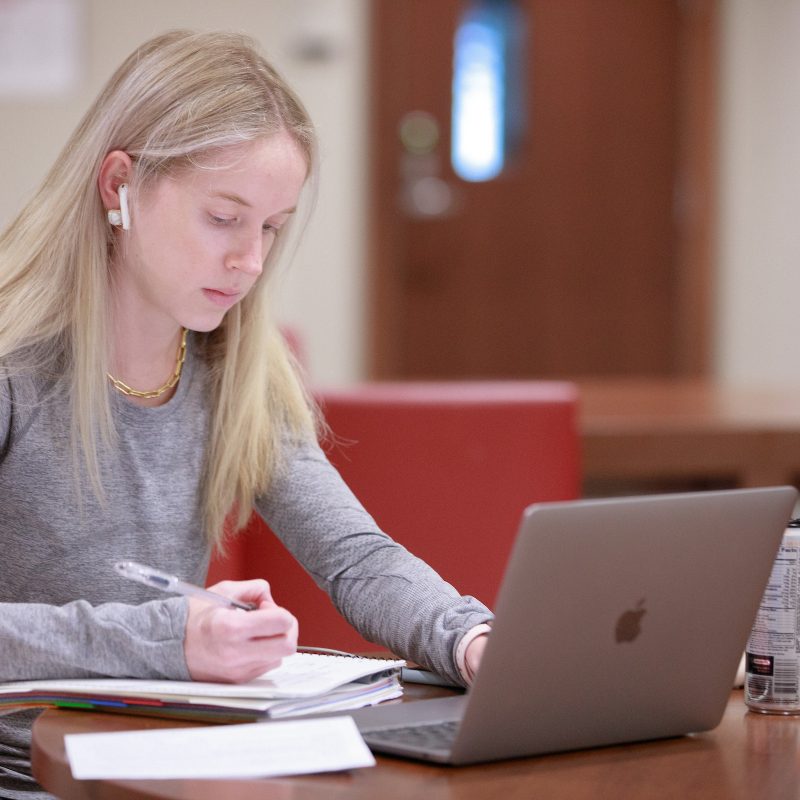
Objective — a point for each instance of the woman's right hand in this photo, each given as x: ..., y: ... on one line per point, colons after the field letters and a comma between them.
x: 229, y: 645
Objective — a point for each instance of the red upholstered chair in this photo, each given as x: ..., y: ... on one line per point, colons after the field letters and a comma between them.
x: 445, y: 468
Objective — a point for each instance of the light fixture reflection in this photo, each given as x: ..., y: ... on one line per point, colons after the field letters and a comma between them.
x: 478, y: 124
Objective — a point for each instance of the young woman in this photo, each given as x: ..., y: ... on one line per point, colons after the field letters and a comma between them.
x: 146, y: 398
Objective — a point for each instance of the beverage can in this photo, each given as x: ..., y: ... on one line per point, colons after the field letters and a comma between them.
x: 772, y: 656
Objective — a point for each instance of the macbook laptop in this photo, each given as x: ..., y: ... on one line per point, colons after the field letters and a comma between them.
x: 617, y: 621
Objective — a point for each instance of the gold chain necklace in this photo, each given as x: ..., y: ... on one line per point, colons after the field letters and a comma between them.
x: 122, y: 387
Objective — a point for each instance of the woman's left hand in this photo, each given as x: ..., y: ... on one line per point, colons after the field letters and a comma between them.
x: 474, y: 653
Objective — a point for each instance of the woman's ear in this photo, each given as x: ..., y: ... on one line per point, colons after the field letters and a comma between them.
x: 115, y: 170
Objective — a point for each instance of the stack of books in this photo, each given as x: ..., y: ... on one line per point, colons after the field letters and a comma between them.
x: 305, y: 683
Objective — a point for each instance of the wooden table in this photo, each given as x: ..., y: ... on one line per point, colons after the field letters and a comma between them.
x: 639, y: 431
x: 749, y: 756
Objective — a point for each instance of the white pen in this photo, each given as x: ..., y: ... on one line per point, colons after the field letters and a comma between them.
x: 171, y: 583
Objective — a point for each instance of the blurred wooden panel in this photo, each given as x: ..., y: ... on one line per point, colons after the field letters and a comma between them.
x: 591, y: 253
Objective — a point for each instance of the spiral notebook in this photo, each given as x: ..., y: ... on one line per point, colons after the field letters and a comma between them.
x: 305, y: 683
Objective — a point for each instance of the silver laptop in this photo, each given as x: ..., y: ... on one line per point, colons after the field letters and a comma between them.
x: 617, y: 621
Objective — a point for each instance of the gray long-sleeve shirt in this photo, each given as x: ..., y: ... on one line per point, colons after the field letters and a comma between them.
x: 64, y: 612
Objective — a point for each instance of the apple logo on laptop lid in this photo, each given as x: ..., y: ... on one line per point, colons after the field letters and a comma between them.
x: 629, y: 624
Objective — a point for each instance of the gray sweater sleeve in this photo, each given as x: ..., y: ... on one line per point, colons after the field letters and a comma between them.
x: 78, y: 640
x: 45, y: 633
x: 389, y: 596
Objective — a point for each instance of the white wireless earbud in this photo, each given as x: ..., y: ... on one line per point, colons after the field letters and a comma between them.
x: 123, y: 207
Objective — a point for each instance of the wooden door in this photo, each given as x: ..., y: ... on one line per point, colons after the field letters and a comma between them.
x: 589, y: 254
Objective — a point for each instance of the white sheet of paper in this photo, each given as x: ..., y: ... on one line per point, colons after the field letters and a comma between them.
x: 222, y: 751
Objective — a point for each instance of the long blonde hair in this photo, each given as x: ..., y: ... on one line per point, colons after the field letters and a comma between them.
x: 176, y: 97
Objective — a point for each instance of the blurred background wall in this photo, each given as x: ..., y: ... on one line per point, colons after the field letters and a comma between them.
x: 322, y: 48
x: 759, y: 186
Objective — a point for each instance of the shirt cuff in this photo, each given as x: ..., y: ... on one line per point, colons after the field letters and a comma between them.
x: 461, y: 650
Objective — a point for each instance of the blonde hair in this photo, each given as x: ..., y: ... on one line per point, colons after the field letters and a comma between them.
x: 175, y: 98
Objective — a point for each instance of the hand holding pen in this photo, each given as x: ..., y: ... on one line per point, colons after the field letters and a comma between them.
x: 220, y: 643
